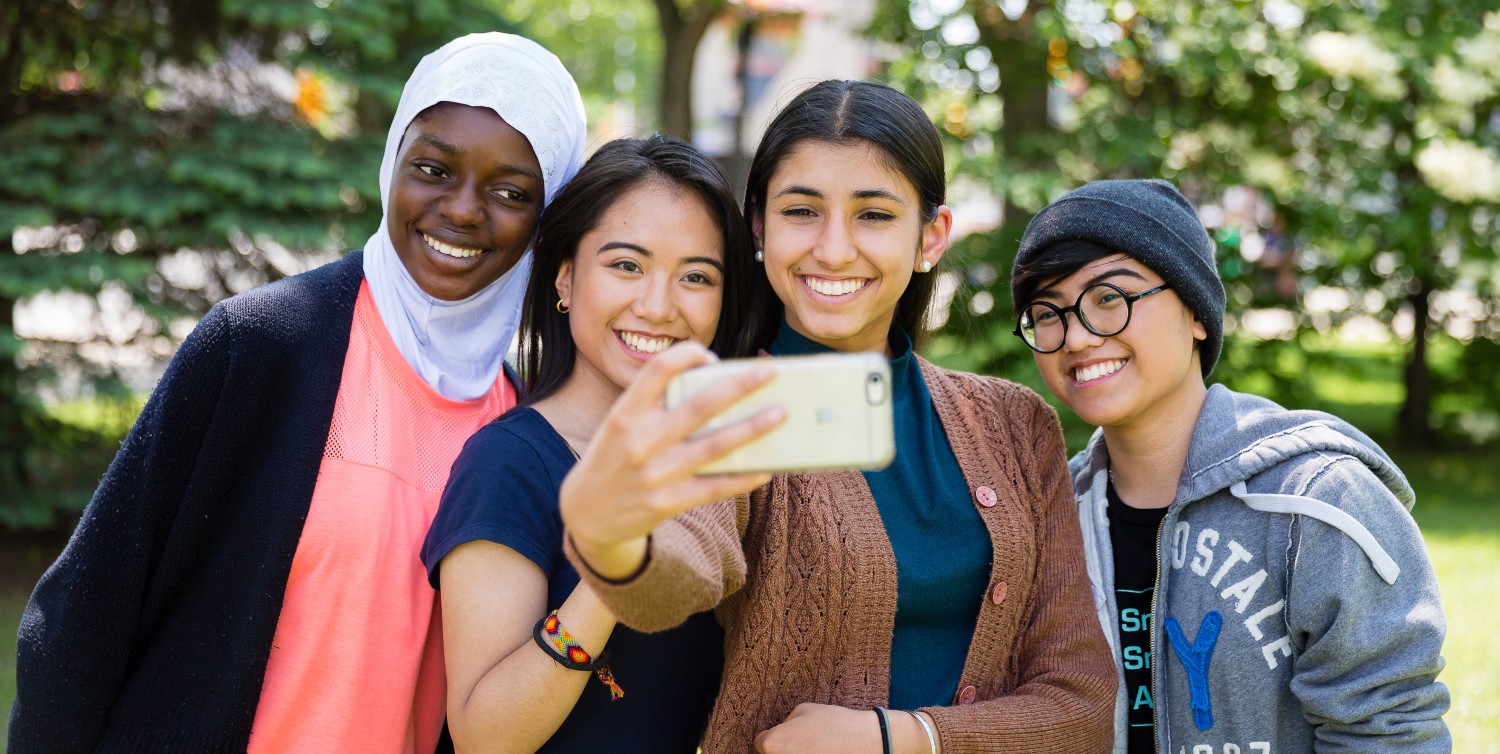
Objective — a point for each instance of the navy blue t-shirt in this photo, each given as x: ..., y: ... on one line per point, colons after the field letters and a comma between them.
x: 503, y: 489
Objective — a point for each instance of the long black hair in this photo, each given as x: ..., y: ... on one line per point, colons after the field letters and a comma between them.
x: 848, y: 112
x: 546, y: 347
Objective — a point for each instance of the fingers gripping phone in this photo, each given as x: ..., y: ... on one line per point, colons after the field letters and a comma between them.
x: 838, y: 409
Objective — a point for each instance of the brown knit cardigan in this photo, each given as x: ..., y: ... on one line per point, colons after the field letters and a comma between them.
x: 804, y: 579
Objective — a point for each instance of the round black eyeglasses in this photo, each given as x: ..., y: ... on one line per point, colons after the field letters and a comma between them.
x: 1102, y: 309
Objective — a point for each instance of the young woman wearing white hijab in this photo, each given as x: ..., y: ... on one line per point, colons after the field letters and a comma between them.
x: 246, y: 576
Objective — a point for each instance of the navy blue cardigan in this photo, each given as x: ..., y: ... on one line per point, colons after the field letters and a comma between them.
x: 152, y: 629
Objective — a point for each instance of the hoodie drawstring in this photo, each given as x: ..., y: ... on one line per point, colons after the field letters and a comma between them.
x: 1384, y: 564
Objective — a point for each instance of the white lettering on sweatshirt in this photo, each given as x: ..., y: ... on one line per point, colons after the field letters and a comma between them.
x: 1241, y: 592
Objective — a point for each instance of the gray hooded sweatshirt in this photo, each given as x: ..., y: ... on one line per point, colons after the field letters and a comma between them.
x: 1296, y: 608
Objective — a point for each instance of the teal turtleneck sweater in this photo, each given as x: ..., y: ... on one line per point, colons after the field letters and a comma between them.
x: 941, y: 545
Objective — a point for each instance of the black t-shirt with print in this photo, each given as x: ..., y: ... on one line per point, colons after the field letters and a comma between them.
x: 1133, y: 535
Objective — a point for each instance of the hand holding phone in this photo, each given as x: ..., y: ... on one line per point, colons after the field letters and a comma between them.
x: 838, y: 409
x: 640, y: 467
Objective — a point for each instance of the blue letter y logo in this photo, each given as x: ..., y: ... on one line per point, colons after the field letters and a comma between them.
x: 1195, y: 658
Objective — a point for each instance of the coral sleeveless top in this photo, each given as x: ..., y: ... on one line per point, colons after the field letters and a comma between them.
x: 357, y: 662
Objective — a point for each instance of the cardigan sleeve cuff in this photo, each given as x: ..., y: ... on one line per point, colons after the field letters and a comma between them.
x: 1023, y: 726
x: 692, y: 562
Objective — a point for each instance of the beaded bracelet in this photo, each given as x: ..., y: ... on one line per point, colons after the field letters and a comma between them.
x: 573, y: 656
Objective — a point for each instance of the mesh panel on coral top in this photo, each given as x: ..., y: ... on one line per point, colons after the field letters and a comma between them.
x: 389, y: 418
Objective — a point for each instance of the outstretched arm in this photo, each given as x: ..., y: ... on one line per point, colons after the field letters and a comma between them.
x: 621, y: 502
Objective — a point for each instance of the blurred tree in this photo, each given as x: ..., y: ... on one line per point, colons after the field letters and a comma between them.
x: 164, y: 154
x: 682, y: 27
x: 1369, y: 128
x: 613, y: 50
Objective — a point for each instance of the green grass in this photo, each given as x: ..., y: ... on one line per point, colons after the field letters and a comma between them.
x: 1456, y: 509
x: 12, y: 602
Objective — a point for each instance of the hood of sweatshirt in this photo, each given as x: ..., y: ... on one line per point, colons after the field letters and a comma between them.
x: 1238, y: 437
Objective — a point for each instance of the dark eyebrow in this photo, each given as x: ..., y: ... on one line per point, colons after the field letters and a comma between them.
x: 861, y: 194
x: 624, y: 245
x: 643, y: 252
x: 878, y: 194
x: 506, y: 168
x: 1047, y: 291
x: 441, y: 145
x: 716, y: 264
x: 503, y: 168
x: 800, y: 190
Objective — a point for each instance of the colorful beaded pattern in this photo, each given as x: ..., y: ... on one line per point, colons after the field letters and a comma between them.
x: 571, y: 650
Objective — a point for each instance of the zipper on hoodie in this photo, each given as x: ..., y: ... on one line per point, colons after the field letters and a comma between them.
x: 1156, y: 708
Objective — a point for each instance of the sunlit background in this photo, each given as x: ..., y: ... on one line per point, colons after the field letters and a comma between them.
x: 160, y: 155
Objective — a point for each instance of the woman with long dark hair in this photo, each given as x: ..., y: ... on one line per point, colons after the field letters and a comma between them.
x: 937, y: 605
x: 644, y: 249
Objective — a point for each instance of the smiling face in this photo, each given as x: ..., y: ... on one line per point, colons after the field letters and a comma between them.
x: 1123, y: 379
x: 464, y: 199
x: 843, y: 234
x: 649, y: 274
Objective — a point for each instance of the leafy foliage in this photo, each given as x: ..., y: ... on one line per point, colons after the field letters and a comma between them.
x: 1367, y: 130
x: 169, y: 154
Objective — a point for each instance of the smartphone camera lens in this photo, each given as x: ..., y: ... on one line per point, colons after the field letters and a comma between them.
x: 875, y: 389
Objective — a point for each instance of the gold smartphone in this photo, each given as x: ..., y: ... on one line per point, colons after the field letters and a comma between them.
x: 838, y: 413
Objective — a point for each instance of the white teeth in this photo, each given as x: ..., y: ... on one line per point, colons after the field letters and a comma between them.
x: 643, y: 344
x: 452, y: 251
x: 1095, y: 371
x: 835, y: 287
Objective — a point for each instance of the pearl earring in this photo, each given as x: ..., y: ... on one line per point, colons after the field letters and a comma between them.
x: 925, y: 266
x: 760, y: 256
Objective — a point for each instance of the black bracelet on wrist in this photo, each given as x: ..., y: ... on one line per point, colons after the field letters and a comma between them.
x: 885, y: 730
x: 540, y: 636
x: 640, y: 569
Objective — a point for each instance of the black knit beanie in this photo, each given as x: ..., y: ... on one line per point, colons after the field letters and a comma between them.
x: 1151, y: 222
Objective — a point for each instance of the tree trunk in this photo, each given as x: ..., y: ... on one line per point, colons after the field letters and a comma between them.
x: 1413, y: 421
x: 677, y: 87
x: 1021, y: 57
x: 1413, y: 427
x: 736, y: 163
x: 681, y: 33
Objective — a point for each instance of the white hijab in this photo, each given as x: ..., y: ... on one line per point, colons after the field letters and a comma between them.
x: 458, y: 346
